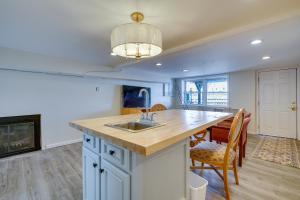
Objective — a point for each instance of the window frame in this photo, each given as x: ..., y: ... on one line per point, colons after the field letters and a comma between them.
x: 204, y: 79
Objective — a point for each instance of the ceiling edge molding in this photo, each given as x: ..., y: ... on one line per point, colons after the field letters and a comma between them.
x: 75, y: 75
x: 22, y: 61
x: 9, y: 56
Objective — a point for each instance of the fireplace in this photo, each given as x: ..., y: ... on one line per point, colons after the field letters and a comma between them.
x: 19, y: 134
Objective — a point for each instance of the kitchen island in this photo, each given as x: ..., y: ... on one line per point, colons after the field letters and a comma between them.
x: 146, y: 164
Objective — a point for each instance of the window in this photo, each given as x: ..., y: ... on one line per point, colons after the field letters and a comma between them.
x: 206, y: 91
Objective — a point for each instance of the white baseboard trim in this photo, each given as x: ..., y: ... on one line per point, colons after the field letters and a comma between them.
x: 48, y: 146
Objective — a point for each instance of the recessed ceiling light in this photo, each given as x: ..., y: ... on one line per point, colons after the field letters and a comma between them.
x: 158, y: 64
x: 256, y: 42
x: 185, y: 70
x: 266, y: 57
x: 113, y: 54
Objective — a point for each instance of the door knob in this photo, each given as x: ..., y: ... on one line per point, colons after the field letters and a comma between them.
x: 293, y: 107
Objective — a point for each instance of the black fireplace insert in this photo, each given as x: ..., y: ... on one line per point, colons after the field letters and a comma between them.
x: 19, y: 134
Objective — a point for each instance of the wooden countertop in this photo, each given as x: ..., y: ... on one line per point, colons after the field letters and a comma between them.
x: 179, y: 124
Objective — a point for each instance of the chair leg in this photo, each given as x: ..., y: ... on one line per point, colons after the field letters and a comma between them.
x: 241, y: 153
x: 193, y: 162
x: 225, y: 176
x: 235, y: 171
x: 244, y: 150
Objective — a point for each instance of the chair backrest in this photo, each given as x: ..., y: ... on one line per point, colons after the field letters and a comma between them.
x: 234, y: 133
x: 248, y: 115
x: 245, y: 125
x: 158, y: 107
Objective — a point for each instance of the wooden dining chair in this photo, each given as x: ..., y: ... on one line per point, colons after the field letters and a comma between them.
x: 197, y: 138
x: 218, y: 156
x: 158, y: 107
x: 220, y: 133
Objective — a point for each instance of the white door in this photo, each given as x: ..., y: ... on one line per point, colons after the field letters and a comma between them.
x: 277, y: 103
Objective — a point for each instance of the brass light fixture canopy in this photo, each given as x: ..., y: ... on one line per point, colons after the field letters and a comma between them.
x: 136, y: 40
x: 137, y: 17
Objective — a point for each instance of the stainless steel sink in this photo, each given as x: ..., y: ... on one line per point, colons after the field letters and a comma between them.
x: 135, y: 126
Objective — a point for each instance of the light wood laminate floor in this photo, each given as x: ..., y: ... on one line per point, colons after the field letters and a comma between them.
x: 56, y: 174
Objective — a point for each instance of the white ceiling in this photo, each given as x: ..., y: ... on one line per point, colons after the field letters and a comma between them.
x: 79, y: 30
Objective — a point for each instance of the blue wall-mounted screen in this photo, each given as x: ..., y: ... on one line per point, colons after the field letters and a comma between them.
x: 131, y: 97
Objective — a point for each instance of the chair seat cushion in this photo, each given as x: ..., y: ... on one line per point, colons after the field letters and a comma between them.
x: 210, y: 153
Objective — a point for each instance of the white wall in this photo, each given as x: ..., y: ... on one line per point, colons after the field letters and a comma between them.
x: 242, y: 87
x: 61, y: 99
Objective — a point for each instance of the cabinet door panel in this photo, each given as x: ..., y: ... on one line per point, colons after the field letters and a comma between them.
x: 115, y: 184
x: 91, y: 175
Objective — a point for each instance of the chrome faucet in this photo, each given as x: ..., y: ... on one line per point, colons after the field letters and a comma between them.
x: 151, y: 116
x: 147, y: 100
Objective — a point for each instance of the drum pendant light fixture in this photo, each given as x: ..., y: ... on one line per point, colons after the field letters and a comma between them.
x: 136, y: 40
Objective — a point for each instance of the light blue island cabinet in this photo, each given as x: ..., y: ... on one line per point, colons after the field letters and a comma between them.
x: 102, y: 177
x: 111, y: 172
x: 152, y: 164
x: 91, y: 174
